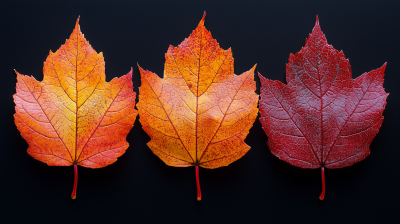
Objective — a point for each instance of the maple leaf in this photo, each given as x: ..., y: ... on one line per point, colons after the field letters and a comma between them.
x: 322, y: 117
x: 74, y: 117
x: 200, y: 113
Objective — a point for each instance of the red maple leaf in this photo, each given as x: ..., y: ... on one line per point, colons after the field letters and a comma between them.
x: 322, y: 117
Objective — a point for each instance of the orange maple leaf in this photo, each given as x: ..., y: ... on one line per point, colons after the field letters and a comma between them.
x: 201, y: 112
x: 74, y: 117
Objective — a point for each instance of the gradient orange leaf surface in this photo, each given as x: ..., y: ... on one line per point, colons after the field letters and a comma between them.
x: 200, y: 113
x: 74, y: 117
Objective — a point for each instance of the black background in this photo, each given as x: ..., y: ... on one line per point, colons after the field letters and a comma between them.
x: 139, y: 187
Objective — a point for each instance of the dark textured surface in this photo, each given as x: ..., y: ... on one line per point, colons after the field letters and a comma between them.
x: 259, y: 187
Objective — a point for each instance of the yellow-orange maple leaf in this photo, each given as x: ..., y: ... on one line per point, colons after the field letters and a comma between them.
x: 74, y: 117
x: 200, y: 113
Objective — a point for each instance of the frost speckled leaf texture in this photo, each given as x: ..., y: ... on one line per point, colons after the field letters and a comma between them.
x: 74, y: 117
x: 200, y: 113
x: 322, y: 118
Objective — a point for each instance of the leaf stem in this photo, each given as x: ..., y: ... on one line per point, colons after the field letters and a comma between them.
x: 198, y: 184
x: 322, y: 196
x: 73, y: 195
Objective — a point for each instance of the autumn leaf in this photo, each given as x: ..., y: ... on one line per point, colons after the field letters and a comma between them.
x: 74, y: 117
x: 200, y: 113
x: 322, y: 117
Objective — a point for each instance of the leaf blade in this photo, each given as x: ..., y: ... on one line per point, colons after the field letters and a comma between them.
x: 192, y: 112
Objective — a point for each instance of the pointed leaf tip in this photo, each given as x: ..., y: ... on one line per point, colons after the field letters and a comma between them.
x: 317, y: 22
x: 202, y: 19
x: 77, y: 24
x: 140, y: 68
x: 16, y: 72
x: 260, y: 76
x: 130, y: 72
